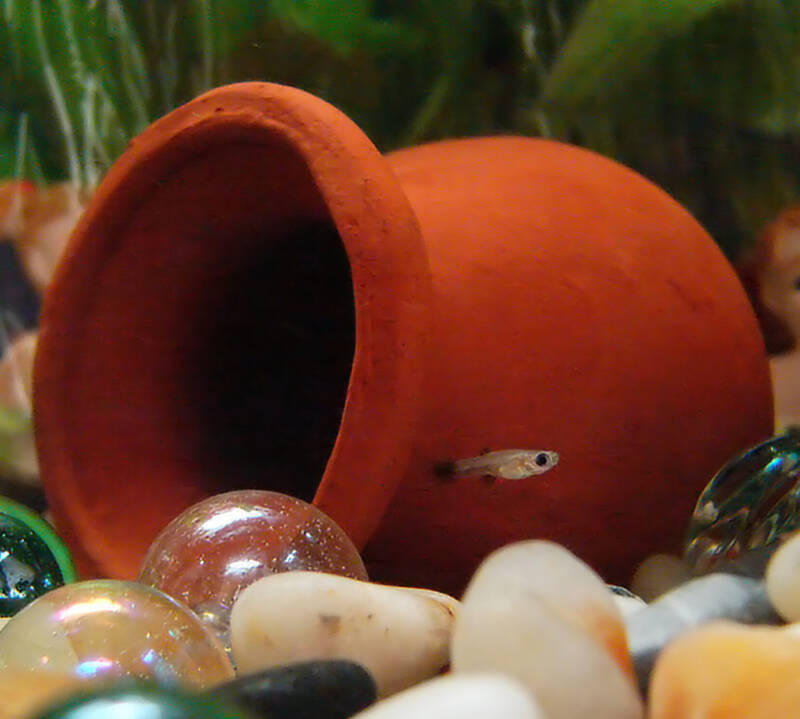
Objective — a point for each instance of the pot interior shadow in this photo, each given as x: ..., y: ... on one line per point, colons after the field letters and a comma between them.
x: 274, y: 359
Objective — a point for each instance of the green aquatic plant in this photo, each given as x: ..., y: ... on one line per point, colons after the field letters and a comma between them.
x: 701, y: 96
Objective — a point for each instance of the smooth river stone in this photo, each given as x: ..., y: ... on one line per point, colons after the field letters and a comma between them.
x: 564, y: 585
x: 103, y: 630
x: 467, y: 696
x: 334, y: 689
x: 215, y: 548
x: 782, y: 579
x: 699, y: 601
x: 143, y: 702
x: 534, y: 612
x: 657, y: 575
x: 728, y: 670
x: 627, y: 602
x: 401, y: 637
x: 24, y: 693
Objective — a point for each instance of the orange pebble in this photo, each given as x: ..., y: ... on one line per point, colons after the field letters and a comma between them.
x: 728, y: 671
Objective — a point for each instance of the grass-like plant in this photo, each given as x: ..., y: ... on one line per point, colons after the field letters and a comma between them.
x: 702, y: 96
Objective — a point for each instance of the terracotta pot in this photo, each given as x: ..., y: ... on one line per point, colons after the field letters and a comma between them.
x: 202, y: 327
x: 193, y: 340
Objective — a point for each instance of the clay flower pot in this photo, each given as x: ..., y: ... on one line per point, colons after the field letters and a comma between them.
x: 255, y: 297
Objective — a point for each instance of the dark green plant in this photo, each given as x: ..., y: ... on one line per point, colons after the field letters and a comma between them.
x: 700, y: 95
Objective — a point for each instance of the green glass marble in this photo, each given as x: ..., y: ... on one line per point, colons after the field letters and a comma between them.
x: 749, y: 505
x: 143, y: 702
x: 33, y: 560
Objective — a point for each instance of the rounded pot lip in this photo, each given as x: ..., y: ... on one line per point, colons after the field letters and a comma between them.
x: 392, y: 291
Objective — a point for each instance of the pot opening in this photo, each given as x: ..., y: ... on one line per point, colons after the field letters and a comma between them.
x: 275, y: 355
x: 210, y: 340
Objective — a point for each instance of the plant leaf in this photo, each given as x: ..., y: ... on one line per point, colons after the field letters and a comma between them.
x: 343, y: 25
x: 612, y: 39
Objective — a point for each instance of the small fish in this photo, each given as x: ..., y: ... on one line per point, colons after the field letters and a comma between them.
x: 505, y: 464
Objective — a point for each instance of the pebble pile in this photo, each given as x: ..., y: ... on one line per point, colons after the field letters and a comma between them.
x: 537, y: 635
x: 400, y: 637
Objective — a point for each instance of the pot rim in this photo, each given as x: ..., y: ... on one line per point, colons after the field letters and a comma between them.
x: 392, y: 292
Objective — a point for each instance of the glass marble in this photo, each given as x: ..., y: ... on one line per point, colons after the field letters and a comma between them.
x: 23, y: 694
x: 143, y: 702
x: 216, y: 548
x: 33, y: 560
x: 749, y: 505
x: 105, y: 629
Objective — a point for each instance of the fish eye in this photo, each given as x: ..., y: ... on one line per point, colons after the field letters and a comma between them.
x: 542, y: 459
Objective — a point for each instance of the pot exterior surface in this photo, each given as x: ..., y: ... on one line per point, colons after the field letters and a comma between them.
x: 577, y: 308
x: 506, y: 293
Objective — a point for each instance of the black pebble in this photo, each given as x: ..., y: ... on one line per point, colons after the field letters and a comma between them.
x: 334, y: 689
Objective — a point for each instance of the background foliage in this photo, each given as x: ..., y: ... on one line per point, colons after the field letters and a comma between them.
x: 701, y: 96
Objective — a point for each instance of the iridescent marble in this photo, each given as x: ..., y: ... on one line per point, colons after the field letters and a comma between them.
x: 33, y: 560
x: 23, y: 694
x: 143, y: 702
x: 216, y: 548
x: 751, y: 503
x: 105, y: 629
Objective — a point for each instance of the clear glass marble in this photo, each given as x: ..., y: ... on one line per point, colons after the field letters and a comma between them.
x: 216, y: 548
x: 104, y: 630
x: 749, y: 505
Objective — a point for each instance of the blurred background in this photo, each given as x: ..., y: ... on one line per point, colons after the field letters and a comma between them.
x: 700, y: 96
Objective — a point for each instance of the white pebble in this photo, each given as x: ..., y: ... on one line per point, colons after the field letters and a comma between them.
x: 627, y: 603
x: 657, y: 574
x: 465, y: 696
x: 400, y: 637
x: 564, y: 584
x: 534, y: 612
x: 782, y: 579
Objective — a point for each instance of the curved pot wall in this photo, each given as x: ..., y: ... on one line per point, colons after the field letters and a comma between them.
x: 252, y: 265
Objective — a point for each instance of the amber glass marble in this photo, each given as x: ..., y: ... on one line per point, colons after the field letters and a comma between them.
x: 104, y: 630
x: 216, y: 548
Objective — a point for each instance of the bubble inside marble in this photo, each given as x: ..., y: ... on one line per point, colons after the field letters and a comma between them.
x: 208, y: 554
x: 103, y: 630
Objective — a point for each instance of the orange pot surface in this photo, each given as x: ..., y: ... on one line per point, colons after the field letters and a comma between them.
x: 504, y: 293
x: 577, y: 308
